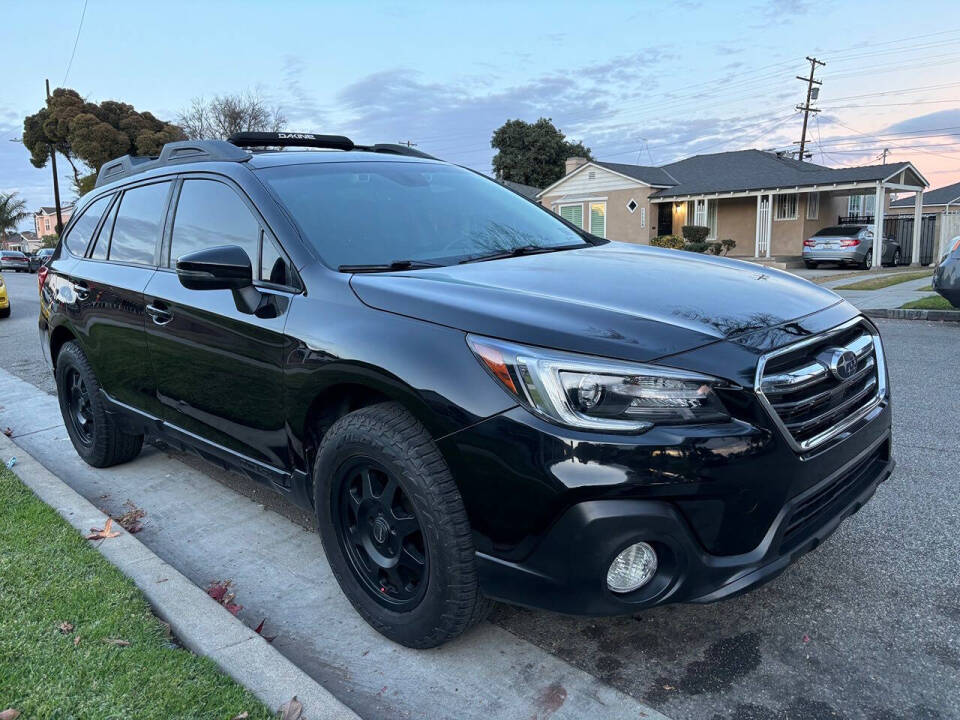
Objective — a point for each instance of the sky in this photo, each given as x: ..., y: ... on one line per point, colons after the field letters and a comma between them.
x: 637, y: 82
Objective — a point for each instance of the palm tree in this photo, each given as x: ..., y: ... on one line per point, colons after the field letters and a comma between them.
x: 13, y: 211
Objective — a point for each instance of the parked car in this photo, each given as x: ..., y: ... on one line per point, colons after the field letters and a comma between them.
x: 14, y: 260
x: 4, y: 300
x: 848, y: 245
x: 477, y: 399
x: 40, y: 258
x: 946, y: 278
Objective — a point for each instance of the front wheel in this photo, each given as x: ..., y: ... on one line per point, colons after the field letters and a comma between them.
x: 94, y: 432
x: 5, y: 312
x: 394, y: 528
x: 896, y: 258
x: 867, y: 260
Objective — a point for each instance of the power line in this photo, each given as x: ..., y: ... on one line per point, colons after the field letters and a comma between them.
x: 76, y: 40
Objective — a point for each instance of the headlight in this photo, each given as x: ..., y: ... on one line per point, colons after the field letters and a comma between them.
x: 598, y: 394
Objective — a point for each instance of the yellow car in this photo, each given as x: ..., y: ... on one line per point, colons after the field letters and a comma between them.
x: 4, y: 300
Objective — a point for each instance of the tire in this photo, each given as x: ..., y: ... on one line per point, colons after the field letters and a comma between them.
x: 395, y: 450
x: 810, y: 264
x: 94, y: 432
x: 867, y: 260
x: 896, y: 258
x: 5, y: 313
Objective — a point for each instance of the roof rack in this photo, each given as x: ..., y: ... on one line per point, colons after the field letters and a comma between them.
x: 182, y: 151
x: 327, y: 142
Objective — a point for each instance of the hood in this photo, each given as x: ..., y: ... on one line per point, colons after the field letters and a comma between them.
x: 616, y: 300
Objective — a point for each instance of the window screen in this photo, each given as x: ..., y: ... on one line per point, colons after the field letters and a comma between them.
x: 139, y: 223
x: 79, y: 236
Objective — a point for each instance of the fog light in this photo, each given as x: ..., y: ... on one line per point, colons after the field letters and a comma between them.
x: 632, y: 568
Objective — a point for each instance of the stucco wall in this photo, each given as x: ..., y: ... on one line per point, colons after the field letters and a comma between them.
x: 622, y: 225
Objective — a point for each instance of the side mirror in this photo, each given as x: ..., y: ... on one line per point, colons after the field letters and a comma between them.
x: 226, y: 267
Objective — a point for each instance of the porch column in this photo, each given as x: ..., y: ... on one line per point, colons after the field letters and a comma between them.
x: 756, y: 245
x: 769, y: 224
x: 917, y: 226
x: 878, y: 226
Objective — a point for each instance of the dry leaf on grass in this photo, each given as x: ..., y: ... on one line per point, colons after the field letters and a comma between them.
x: 65, y: 627
x: 130, y: 520
x: 9, y: 714
x: 291, y: 710
x: 97, y: 534
x: 242, y: 716
x: 116, y: 641
x: 76, y: 641
x: 219, y: 590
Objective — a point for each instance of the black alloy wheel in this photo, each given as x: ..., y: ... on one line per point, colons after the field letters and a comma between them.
x: 380, y: 534
x: 81, y: 412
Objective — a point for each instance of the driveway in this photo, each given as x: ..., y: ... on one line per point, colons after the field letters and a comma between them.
x: 866, y: 627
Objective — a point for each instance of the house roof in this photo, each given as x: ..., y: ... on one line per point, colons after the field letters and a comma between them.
x: 644, y: 173
x: 528, y: 191
x: 757, y: 170
x: 940, y: 196
x: 52, y: 210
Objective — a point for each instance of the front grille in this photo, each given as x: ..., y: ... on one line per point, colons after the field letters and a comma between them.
x: 816, y: 388
x: 815, y: 509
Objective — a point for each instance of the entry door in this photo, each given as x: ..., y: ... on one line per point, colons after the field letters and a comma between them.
x: 664, y: 219
x: 219, y: 370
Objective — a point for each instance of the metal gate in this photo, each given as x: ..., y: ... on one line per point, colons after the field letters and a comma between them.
x: 763, y: 226
x: 900, y: 228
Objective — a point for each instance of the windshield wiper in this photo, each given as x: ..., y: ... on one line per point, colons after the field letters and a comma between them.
x: 387, y: 267
x: 521, y: 250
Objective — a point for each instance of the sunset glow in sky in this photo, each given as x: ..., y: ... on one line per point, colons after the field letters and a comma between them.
x: 643, y: 83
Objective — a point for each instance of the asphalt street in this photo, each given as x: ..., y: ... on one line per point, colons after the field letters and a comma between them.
x: 866, y: 627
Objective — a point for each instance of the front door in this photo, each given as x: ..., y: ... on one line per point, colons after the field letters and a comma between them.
x: 664, y: 219
x: 219, y: 370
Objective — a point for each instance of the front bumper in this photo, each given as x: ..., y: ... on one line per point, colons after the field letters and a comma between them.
x: 4, y: 301
x: 567, y: 571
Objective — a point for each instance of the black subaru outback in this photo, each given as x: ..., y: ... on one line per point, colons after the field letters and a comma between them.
x: 479, y: 400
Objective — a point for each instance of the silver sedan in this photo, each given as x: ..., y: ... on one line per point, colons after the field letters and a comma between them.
x: 848, y: 245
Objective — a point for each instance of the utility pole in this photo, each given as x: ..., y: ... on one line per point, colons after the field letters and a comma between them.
x: 408, y: 143
x: 806, y: 106
x: 56, y: 181
x: 882, y: 157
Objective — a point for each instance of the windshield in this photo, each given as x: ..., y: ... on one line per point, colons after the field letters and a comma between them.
x: 839, y: 231
x: 367, y: 213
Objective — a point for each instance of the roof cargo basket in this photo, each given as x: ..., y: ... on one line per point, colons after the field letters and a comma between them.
x: 182, y: 151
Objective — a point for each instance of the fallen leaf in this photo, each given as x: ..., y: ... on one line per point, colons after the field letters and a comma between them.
x: 669, y: 687
x: 162, y: 580
x: 76, y: 641
x: 65, y: 627
x: 9, y: 714
x: 97, y: 534
x: 220, y: 592
x: 290, y: 710
x: 130, y: 520
x: 8, y: 432
x: 259, y: 631
x: 806, y: 638
x: 116, y: 641
x: 242, y: 716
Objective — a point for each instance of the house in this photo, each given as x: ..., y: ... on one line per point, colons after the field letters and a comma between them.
x: 766, y: 202
x: 25, y: 241
x: 45, y: 219
x: 941, y: 200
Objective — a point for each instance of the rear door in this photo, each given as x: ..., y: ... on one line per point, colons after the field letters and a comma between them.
x: 105, y: 288
x: 219, y: 371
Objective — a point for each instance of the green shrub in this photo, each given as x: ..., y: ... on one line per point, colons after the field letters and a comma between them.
x: 668, y: 241
x: 695, y: 233
x: 697, y: 247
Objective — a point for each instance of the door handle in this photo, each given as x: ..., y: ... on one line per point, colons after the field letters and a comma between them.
x: 159, y: 315
x: 81, y: 290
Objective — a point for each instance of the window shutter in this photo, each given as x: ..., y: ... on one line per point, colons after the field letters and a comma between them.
x: 573, y: 214
x: 598, y: 219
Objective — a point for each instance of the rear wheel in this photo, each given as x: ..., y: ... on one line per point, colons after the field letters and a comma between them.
x: 394, y: 528
x: 867, y: 260
x: 95, y: 433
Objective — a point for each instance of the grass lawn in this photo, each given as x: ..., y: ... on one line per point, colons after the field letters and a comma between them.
x: 882, y: 282
x: 931, y: 302
x: 50, y: 575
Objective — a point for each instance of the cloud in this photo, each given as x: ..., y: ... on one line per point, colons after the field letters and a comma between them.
x: 927, y: 123
x: 299, y: 105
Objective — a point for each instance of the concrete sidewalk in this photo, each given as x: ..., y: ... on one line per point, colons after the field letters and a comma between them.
x: 210, y: 533
x: 884, y: 298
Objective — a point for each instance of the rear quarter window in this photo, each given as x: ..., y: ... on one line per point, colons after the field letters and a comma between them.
x: 78, y: 237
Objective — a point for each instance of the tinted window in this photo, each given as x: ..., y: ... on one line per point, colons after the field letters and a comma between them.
x: 839, y: 231
x: 82, y: 230
x: 377, y: 212
x: 209, y: 214
x: 139, y: 222
x: 273, y: 265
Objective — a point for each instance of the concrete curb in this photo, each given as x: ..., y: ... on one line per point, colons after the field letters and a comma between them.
x: 197, y: 621
x: 909, y: 314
